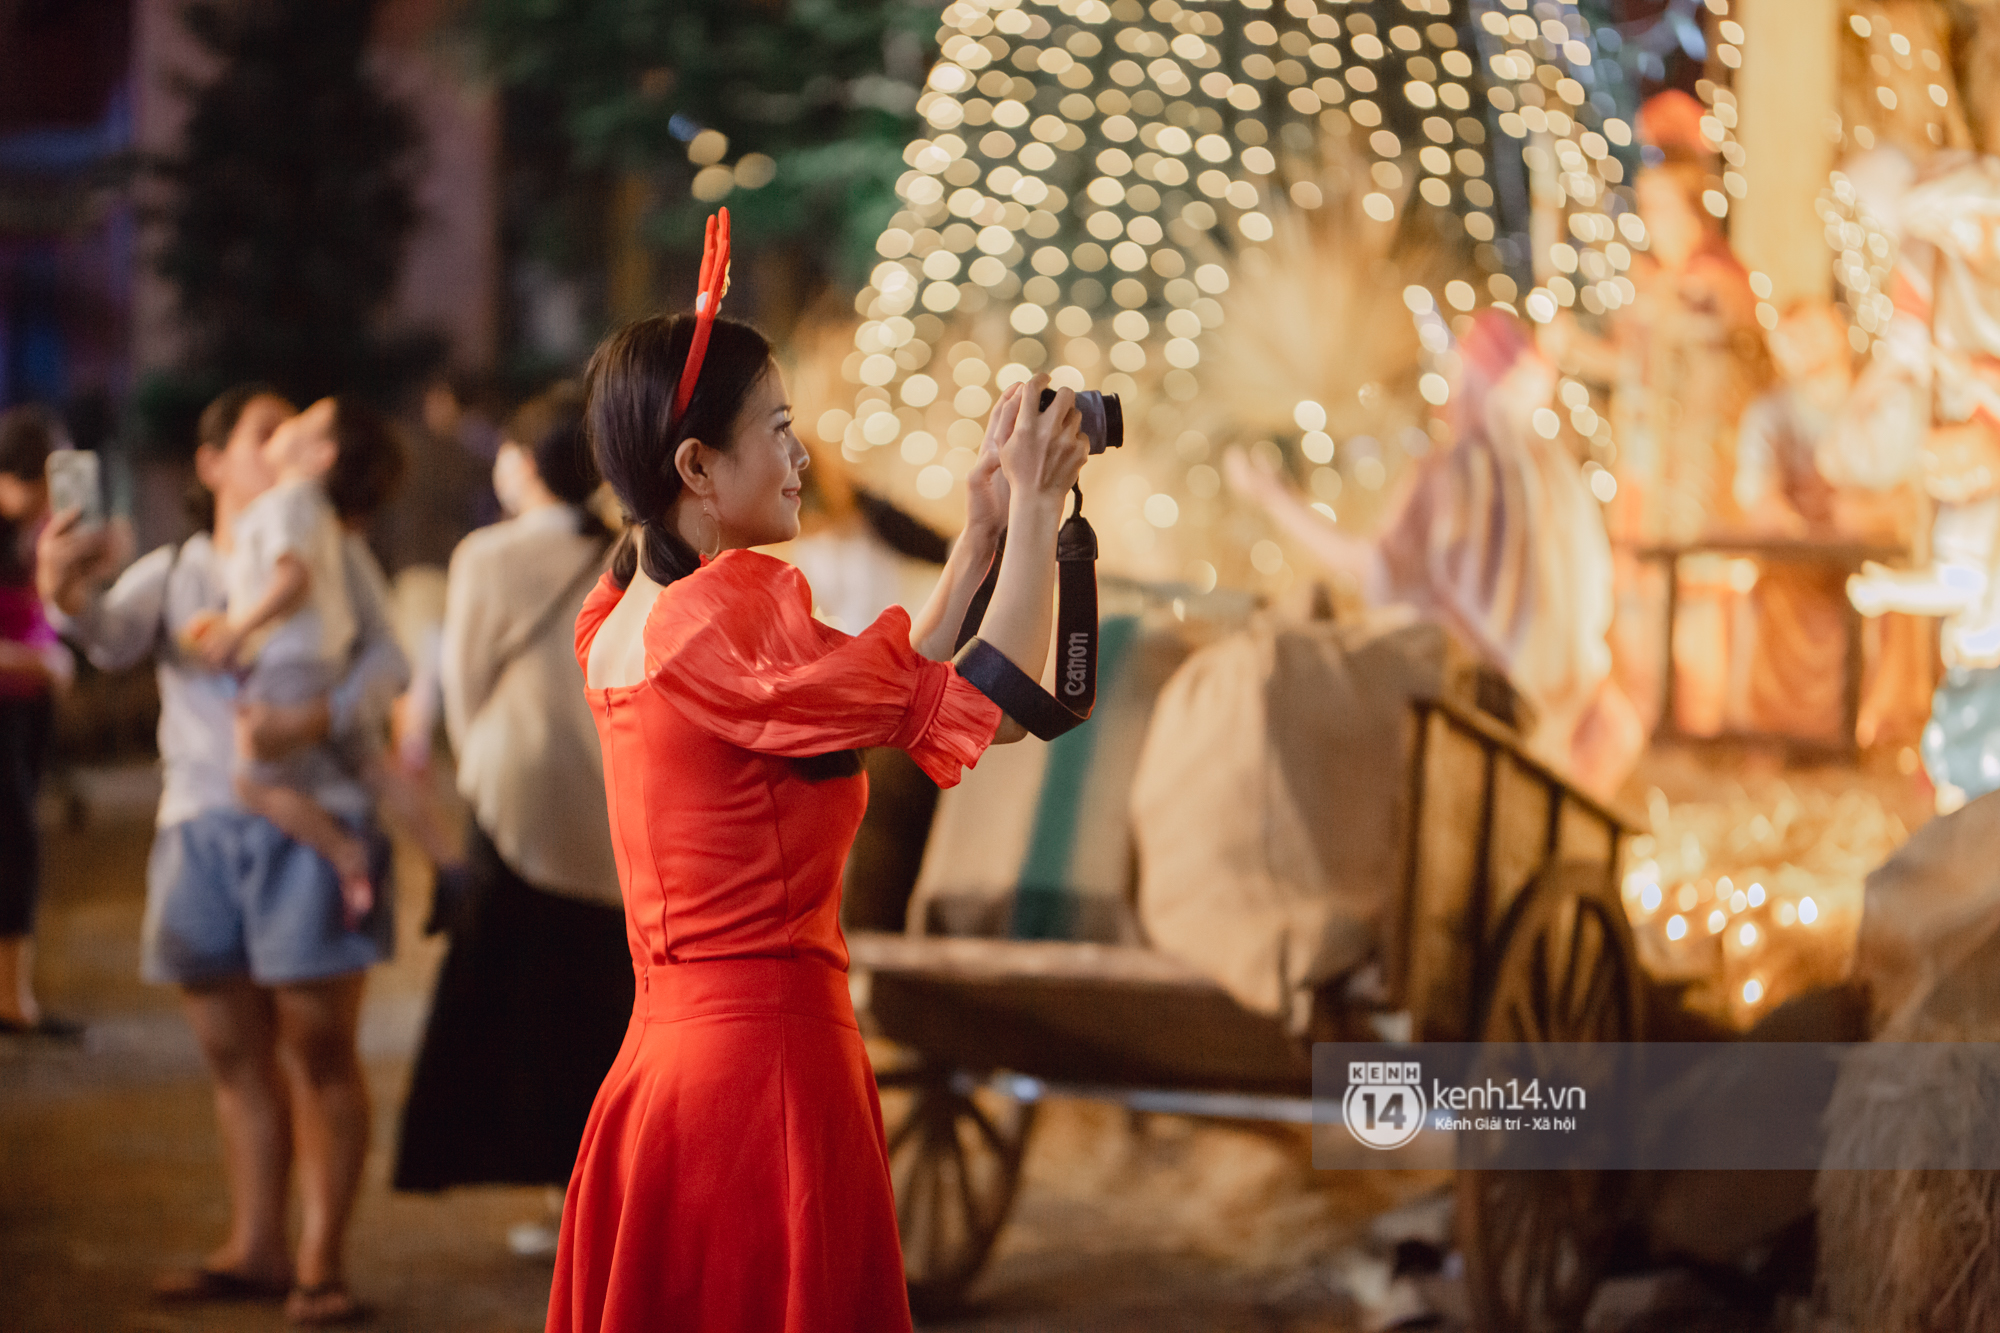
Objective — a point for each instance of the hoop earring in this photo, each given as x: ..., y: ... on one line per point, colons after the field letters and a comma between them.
x: 718, y: 531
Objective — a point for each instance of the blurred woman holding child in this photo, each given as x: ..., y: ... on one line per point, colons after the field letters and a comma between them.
x: 251, y: 925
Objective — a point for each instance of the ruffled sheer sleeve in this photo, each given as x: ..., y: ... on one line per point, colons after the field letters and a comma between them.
x: 736, y: 650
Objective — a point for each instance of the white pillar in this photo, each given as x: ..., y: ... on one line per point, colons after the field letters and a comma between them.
x: 1786, y: 95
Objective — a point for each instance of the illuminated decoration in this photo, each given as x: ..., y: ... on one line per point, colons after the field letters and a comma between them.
x: 715, y: 179
x: 1864, y: 255
x: 1093, y: 171
x: 1718, y: 127
x: 1863, y: 248
x: 1752, y: 895
x: 1898, y: 84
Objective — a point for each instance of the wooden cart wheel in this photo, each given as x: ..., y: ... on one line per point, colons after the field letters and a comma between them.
x: 1536, y: 1243
x: 955, y: 1160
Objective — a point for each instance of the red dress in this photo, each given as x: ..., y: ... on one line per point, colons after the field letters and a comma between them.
x: 733, y: 1174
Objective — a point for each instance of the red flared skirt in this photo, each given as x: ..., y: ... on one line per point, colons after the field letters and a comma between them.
x: 733, y: 1174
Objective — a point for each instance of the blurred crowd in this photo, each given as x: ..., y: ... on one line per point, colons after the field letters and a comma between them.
x: 297, y: 696
x: 300, y: 692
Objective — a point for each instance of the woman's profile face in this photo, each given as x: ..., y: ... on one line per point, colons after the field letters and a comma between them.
x: 755, y: 500
x: 236, y: 473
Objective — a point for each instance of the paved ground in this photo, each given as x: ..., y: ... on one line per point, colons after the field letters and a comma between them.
x: 109, y: 1170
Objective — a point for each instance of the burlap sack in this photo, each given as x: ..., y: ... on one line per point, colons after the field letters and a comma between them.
x: 1270, y: 799
x: 1922, y: 905
x: 1035, y: 842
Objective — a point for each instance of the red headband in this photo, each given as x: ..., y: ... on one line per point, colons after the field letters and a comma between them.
x: 708, y: 300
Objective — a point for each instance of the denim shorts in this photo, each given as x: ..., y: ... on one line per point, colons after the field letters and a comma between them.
x: 228, y: 895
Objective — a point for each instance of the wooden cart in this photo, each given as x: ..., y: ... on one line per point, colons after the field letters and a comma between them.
x: 1507, y: 926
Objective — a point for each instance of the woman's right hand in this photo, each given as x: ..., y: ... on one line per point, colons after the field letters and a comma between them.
x: 69, y: 558
x: 1045, y: 453
x: 986, y: 493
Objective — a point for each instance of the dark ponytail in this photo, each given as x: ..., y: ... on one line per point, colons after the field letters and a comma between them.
x: 633, y: 432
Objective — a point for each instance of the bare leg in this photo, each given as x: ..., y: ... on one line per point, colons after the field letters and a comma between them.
x: 317, y: 1024
x: 236, y: 1025
x: 304, y: 820
x: 17, y: 979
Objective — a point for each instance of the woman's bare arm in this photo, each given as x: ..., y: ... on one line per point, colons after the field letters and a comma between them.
x: 1355, y: 557
x: 1042, y: 457
x: 935, y: 631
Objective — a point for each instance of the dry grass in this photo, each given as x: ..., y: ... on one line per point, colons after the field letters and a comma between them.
x: 1914, y: 1250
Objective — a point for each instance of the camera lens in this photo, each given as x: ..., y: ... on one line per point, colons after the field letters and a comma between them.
x: 1103, y: 417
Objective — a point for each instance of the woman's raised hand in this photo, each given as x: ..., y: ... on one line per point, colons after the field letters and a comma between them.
x: 986, y: 491
x: 70, y: 558
x: 1046, y: 450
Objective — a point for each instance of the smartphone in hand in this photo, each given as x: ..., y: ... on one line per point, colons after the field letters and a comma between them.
x: 75, y: 482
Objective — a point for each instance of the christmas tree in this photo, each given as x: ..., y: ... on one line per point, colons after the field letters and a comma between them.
x: 291, y: 202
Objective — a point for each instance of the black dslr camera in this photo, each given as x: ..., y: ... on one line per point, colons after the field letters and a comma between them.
x: 1103, y: 418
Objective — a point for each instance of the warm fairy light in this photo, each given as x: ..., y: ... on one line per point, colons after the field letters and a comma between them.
x: 1717, y: 920
x: 1808, y: 911
x: 1677, y: 927
x: 1054, y: 216
x: 1753, y: 991
x: 1756, y: 895
x: 1649, y: 898
x: 1747, y: 935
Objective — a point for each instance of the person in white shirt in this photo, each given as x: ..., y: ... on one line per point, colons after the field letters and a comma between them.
x: 535, y: 994
x: 289, y: 626
x: 244, y: 921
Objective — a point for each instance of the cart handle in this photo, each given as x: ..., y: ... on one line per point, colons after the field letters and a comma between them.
x: 1496, y: 735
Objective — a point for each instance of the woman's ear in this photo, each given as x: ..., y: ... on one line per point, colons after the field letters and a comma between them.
x: 692, y: 461
x: 208, y: 466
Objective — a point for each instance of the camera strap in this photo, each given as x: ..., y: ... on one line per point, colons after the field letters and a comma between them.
x: 1018, y: 694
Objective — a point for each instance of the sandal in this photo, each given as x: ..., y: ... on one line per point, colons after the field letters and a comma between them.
x: 327, y: 1305
x: 195, y: 1285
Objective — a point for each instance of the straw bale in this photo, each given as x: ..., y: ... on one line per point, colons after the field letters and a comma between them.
x: 1903, y: 1250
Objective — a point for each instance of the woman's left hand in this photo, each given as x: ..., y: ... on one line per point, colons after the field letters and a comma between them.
x: 986, y: 492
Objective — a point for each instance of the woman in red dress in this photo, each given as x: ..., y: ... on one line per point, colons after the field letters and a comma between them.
x: 733, y: 1174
